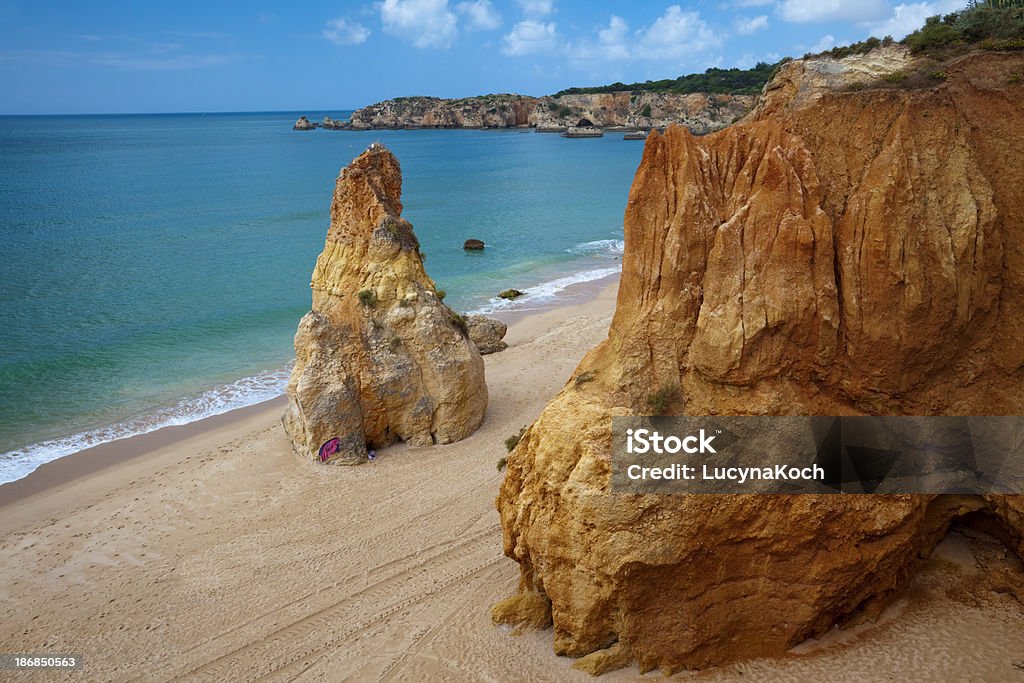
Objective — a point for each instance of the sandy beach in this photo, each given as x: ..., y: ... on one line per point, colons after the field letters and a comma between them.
x: 212, y: 553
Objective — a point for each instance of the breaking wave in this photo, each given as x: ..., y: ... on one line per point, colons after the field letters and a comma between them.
x: 245, y: 392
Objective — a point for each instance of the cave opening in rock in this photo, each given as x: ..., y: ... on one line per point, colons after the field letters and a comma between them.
x: 585, y: 123
x: 985, y: 522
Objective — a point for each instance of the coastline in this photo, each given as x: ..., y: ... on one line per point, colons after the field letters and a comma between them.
x: 211, y: 552
x: 184, y: 338
x: 96, y: 461
x: 564, y: 291
x: 220, y: 555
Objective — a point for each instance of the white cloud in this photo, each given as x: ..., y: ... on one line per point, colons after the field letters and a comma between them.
x: 746, y: 61
x: 907, y: 18
x: 675, y: 34
x: 537, y: 8
x: 833, y: 10
x: 344, y: 32
x: 752, y: 3
x: 745, y: 26
x: 479, y: 15
x: 424, y: 23
x: 824, y: 43
x: 530, y: 37
x: 614, y: 41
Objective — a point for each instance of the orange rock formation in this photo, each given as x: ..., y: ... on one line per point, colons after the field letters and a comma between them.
x: 380, y: 357
x: 862, y: 253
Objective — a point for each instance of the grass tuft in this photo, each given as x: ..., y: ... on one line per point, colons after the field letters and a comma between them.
x: 367, y: 297
x: 459, y: 322
x: 659, y: 401
x: 584, y: 377
x: 513, y: 441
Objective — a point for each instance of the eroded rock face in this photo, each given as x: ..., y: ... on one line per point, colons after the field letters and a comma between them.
x: 379, y: 358
x: 801, y: 82
x: 859, y: 254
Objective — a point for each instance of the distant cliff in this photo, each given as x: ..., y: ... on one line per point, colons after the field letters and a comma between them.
x: 701, y: 113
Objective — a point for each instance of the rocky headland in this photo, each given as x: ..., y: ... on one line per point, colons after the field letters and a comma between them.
x: 854, y: 246
x: 380, y: 358
x: 701, y: 113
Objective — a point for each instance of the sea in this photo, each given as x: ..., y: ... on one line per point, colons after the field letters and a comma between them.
x: 154, y: 267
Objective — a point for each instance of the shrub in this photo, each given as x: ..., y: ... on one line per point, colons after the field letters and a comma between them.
x: 1002, y: 44
x: 502, y: 463
x: 936, y: 33
x: 978, y: 23
x: 938, y: 75
x: 584, y: 377
x: 513, y: 441
x: 895, y: 77
x: 861, y: 48
x: 459, y: 323
x: 659, y: 401
x: 645, y: 111
x: 1000, y: 4
x: 441, y: 294
x: 367, y: 297
x: 993, y: 25
x: 564, y: 111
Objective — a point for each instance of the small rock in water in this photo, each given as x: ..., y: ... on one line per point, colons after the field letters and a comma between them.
x: 473, y: 245
x: 511, y: 294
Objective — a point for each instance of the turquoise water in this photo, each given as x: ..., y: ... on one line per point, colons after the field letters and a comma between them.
x: 155, y: 267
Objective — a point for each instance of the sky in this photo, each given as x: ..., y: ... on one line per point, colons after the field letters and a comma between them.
x: 183, y: 56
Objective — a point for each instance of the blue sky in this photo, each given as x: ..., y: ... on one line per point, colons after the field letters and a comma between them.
x: 99, y: 57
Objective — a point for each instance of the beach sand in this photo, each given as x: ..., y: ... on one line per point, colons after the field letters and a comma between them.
x: 213, y: 553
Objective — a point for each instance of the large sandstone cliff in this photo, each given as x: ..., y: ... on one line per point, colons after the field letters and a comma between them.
x: 700, y: 113
x: 380, y: 357
x: 857, y: 252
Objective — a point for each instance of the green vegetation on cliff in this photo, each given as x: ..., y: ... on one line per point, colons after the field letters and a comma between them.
x: 992, y: 25
x: 713, y: 81
x: 982, y: 24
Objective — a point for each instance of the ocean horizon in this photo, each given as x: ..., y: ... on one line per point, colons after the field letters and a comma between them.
x: 158, y: 264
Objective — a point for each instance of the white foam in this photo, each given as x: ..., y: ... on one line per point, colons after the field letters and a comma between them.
x: 249, y: 391
x: 546, y: 291
x: 245, y: 392
x: 608, y: 248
